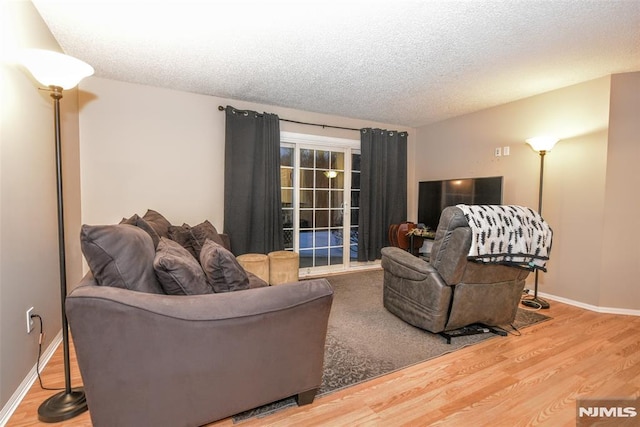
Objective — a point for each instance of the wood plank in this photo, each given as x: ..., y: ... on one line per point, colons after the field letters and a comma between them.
x: 531, y: 379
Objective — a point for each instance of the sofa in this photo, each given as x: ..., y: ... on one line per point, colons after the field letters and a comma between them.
x: 156, y: 350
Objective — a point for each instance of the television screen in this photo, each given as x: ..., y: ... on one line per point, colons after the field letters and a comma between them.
x: 434, y: 196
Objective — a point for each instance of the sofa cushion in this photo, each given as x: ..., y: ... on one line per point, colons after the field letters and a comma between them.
x: 159, y: 223
x: 182, y: 234
x: 179, y: 273
x: 200, y: 233
x: 143, y: 224
x: 193, y: 238
x: 255, y: 281
x: 223, y: 271
x: 120, y: 256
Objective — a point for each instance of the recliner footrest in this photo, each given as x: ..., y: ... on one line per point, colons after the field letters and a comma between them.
x: 471, y: 330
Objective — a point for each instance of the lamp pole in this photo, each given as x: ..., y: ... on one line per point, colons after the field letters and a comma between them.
x: 58, y: 72
x: 70, y: 402
x: 542, y: 145
x: 538, y: 302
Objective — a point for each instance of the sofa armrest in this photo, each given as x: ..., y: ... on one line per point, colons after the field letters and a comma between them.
x: 189, y: 360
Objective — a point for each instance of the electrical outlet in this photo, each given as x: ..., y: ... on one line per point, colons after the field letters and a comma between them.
x: 498, y: 152
x: 29, y: 320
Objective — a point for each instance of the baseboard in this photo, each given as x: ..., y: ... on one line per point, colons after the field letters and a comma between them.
x: 597, y: 309
x: 18, y: 395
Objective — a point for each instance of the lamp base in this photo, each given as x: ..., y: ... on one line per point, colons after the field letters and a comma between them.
x: 535, y: 302
x: 63, y: 406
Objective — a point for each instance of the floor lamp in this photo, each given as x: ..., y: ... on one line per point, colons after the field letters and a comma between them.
x: 59, y: 72
x: 541, y: 144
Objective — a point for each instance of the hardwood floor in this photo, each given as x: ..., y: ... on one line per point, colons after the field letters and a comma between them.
x: 527, y: 380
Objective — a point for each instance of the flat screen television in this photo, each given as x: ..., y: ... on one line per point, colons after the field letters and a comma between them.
x: 434, y: 196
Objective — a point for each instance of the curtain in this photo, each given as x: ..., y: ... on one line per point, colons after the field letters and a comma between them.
x: 383, y: 188
x: 252, y: 200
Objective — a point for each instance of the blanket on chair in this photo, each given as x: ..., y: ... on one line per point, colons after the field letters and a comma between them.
x: 508, y: 234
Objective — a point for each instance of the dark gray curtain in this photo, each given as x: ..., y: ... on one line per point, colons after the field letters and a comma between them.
x: 383, y: 188
x: 252, y: 201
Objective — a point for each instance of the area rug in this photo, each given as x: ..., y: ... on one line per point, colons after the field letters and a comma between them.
x: 365, y: 341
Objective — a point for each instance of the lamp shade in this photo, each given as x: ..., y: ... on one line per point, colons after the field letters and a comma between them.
x: 54, y: 68
x: 542, y: 143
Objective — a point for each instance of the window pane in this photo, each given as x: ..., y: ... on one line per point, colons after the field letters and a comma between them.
x: 337, y: 198
x: 306, y: 199
x: 306, y: 239
x: 306, y: 178
x: 287, y: 218
x: 336, y: 237
x: 322, y: 219
x: 337, y: 161
x: 306, y: 158
x: 336, y: 256
x: 355, y: 199
x: 336, y: 217
x: 354, y: 216
x: 322, y: 181
x: 322, y: 238
x: 322, y: 198
x: 306, y: 219
x: 355, y: 180
x: 306, y: 258
x: 286, y: 156
x: 355, y: 162
x: 288, y: 239
x: 286, y: 177
x: 322, y: 159
x: 338, y: 181
x: 287, y: 197
x: 321, y: 257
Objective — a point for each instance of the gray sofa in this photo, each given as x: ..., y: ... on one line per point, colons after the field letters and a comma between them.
x: 151, y: 359
x: 450, y: 292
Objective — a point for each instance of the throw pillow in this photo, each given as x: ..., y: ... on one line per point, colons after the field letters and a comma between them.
x: 120, y: 256
x: 143, y: 224
x: 179, y: 273
x: 255, y: 281
x: 159, y: 223
x: 182, y: 235
x: 223, y: 271
x: 200, y: 233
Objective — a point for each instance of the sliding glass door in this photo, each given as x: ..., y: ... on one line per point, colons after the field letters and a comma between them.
x: 320, y: 201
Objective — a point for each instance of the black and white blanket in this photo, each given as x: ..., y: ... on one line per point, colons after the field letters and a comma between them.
x: 508, y: 234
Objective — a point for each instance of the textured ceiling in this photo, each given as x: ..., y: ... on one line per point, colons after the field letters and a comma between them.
x: 399, y: 62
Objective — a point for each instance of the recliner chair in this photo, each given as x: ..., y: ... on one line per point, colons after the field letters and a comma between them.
x: 450, y: 291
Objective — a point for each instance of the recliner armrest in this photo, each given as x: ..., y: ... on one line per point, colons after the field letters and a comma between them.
x: 403, y: 264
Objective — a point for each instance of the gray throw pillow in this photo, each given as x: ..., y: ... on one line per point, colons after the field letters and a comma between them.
x: 182, y: 234
x: 179, y: 273
x: 255, y: 281
x: 120, y: 256
x: 143, y: 224
x: 200, y: 233
x: 223, y: 271
x: 159, y: 223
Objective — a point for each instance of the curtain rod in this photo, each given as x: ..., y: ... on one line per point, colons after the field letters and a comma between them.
x: 221, y: 108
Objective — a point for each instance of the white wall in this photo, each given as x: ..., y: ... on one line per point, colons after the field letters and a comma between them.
x: 146, y: 147
x: 29, y: 270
